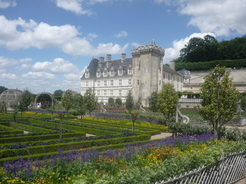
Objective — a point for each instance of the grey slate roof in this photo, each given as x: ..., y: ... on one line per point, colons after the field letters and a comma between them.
x: 95, y: 66
x: 169, y: 70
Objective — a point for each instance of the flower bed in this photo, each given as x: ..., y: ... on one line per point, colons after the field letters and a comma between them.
x: 144, y: 163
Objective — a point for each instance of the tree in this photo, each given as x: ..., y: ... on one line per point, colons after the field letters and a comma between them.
x: 90, y: 100
x: 118, y: 102
x: 153, y: 102
x: 67, y: 100
x: 58, y: 92
x: 167, y: 101
x: 111, y: 101
x: 26, y: 99
x: 219, y: 98
x: 129, y: 102
x: 2, y: 89
x: 81, y: 109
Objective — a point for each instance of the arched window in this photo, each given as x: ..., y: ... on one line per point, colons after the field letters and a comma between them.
x: 99, y: 74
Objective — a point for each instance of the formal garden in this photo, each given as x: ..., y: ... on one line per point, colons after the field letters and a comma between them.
x: 81, y: 143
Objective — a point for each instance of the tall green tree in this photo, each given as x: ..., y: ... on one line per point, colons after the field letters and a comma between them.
x: 111, y: 101
x: 153, y: 102
x: 58, y: 92
x: 81, y: 109
x: 90, y: 100
x: 118, y: 102
x: 219, y: 98
x: 129, y: 102
x: 67, y: 100
x: 26, y: 99
x: 2, y: 89
x: 168, y: 101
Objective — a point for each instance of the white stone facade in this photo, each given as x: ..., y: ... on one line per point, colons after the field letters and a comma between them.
x: 142, y: 74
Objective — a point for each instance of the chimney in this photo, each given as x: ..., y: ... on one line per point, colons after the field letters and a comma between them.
x: 172, y: 65
x: 108, y: 57
x: 123, y: 56
x: 101, y: 59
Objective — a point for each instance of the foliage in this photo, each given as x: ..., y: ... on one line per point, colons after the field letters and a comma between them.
x: 167, y: 101
x: 118, y: 102
x: 58, y: 92
x: 111, y: 101
x: 90, y: 100
x: 129, y: 101
x: 243, y: 103
x: 208, y: 49
x: 153, y: 102
x: 81, y: 108
x: 208, y: 65
x: 26, y: 98
x: 219, y: 98
x: 2, y: 89
x: 67, y: 99
x: 199, y: 49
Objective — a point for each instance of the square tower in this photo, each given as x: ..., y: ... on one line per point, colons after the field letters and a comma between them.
x: 147, y: 71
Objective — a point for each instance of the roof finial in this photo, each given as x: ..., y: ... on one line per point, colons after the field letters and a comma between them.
x: 153, y: 42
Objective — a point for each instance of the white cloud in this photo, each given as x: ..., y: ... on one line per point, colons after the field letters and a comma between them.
x: 39, y: 75
x: 74, y: 6
x: 72, y: 77
x: 7, y: 62
x: 135, y: 44
x: 92, y: 35
x: 59, y: 65
x: 8, y: 76
x: 7, y: 3
x: 173, y: 53
x: 43, y: 35
x: 121, y: 34
x: 222, y: 17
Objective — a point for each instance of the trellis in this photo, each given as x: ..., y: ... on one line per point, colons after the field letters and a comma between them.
x: 227, y: 170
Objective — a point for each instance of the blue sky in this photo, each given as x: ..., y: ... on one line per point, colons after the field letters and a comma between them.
x: 45, y: 45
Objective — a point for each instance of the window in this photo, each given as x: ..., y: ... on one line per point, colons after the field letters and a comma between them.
x: 98, y: 83
x: 105, y: 73
x: 111, y: 82
x: 111, y: 73
x: 138, y: 82
x: 87, y: 83
x: 120, y: 82
x: 129, y: 81
x: 177, y: 78
x: 98, y: 92
x: 120, y: 92
x: 130, y: 71
x: 120, y: 72
x: 105, y: 83
x: 87, y: 74
x: 105, y: 93
x: 98, y: 74
x: 111, y: 92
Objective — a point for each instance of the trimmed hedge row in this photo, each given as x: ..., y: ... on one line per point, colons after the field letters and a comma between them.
x: 40, y: 137
x: 11, y: 132
x: 31, y: 128
x: 104, y: 144
x: 115, y: 127
x: 208, y: 65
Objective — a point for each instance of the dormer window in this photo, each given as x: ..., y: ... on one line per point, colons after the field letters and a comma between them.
x: 87, y: 73
x: 120, y: 72
x: 112, y: 73
x: 99, y: 74
x: 105, y: 73
x: 130, y: 71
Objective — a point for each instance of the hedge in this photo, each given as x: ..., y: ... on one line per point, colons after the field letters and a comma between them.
x: 118, y: 143
x: 39, y: 137
x: 208, y: 65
